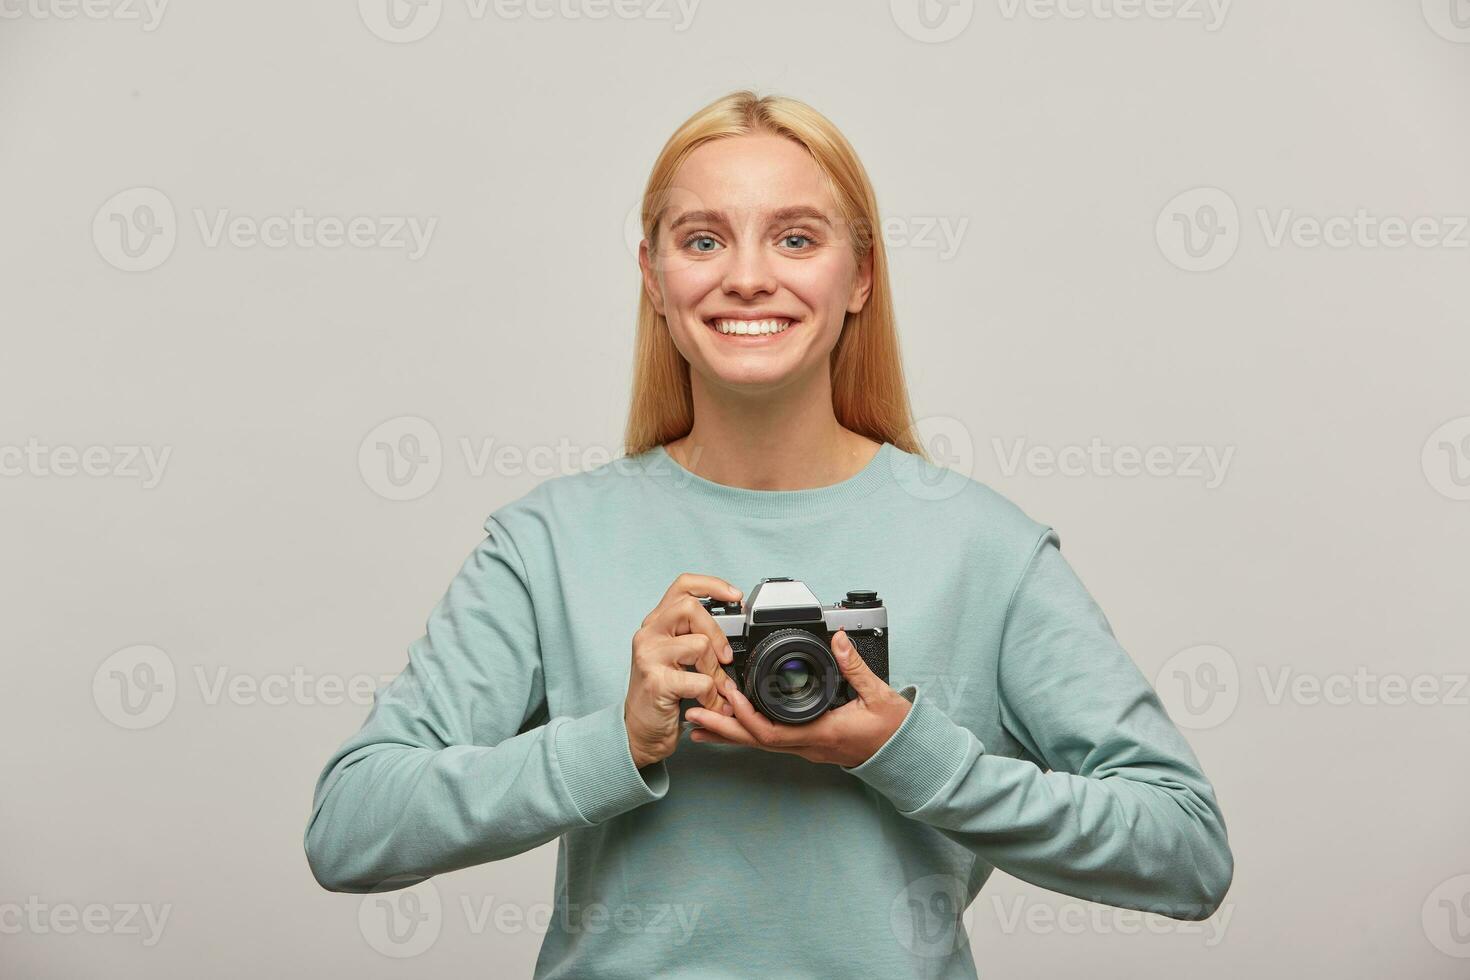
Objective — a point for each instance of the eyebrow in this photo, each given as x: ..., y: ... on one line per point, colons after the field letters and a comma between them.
x: 794, y: 213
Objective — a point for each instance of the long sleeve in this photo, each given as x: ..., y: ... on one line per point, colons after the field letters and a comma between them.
x: 457, y: 763
x: 1124, y: 816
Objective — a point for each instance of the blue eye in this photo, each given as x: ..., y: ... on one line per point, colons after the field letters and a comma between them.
x: 698, y: 238
x: 788, y: 238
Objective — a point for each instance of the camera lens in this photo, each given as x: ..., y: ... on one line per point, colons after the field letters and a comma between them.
x: 795, y: 679
x: 792, y: 676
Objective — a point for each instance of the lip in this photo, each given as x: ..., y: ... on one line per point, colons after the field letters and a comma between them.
x: 750, y: 339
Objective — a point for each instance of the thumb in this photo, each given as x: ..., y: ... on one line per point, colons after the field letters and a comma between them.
x: 855, y: 669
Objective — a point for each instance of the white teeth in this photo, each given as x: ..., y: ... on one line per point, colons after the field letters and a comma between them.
x: 745, y: 327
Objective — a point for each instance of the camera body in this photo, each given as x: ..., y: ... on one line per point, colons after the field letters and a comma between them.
x: 782, y: 641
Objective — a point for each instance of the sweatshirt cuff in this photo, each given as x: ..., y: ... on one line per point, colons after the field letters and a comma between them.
x: 597, y: 767
x: 919, y: 758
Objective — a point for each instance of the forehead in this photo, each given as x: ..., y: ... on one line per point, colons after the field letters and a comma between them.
x: 748, y: 175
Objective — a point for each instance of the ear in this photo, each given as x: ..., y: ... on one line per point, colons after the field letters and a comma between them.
x: 863, y: 285
x: 650, y: 278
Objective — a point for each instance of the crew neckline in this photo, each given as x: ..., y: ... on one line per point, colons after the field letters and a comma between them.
x: 672, y: 475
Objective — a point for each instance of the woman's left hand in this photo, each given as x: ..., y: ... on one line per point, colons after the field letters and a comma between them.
x: 846, y: 736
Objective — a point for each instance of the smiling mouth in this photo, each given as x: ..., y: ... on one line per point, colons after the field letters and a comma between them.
x: 755, y: 329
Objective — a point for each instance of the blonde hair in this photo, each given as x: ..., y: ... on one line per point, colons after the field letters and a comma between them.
x: 869, y: 395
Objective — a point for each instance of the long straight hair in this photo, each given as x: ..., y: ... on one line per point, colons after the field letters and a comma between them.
x: 869, y: 395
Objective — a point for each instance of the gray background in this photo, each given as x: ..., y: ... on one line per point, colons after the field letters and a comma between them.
x: 1068, y: 311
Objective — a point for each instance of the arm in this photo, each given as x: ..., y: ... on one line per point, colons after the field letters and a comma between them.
x: 457, y: 763
x: 1125, y: 816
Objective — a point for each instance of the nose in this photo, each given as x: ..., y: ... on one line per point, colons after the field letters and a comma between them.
x: 749, y: 272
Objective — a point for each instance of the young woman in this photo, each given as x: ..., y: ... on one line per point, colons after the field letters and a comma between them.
x: 769, y: 437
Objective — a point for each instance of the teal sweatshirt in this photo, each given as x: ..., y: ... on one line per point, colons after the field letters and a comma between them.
x: 1033, y: 744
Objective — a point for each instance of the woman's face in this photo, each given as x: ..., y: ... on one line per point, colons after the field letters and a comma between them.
x: 750, y: 240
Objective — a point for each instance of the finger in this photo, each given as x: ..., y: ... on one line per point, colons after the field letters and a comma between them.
x: 701, y: 735
x: 765, y: 731
x: 697, y: 686
x: 693, y: 650
x: 724, y: 727
x: 698, y: 585
x: 681, y: 655
x: 865, y: 683
x: 687, y: 615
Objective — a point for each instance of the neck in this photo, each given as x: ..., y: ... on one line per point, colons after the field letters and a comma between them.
x: 777, y: 439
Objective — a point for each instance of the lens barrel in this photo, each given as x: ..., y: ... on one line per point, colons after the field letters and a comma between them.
x: 792, y: 676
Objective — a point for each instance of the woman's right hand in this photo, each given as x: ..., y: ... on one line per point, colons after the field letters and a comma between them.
x: 678, y: 632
